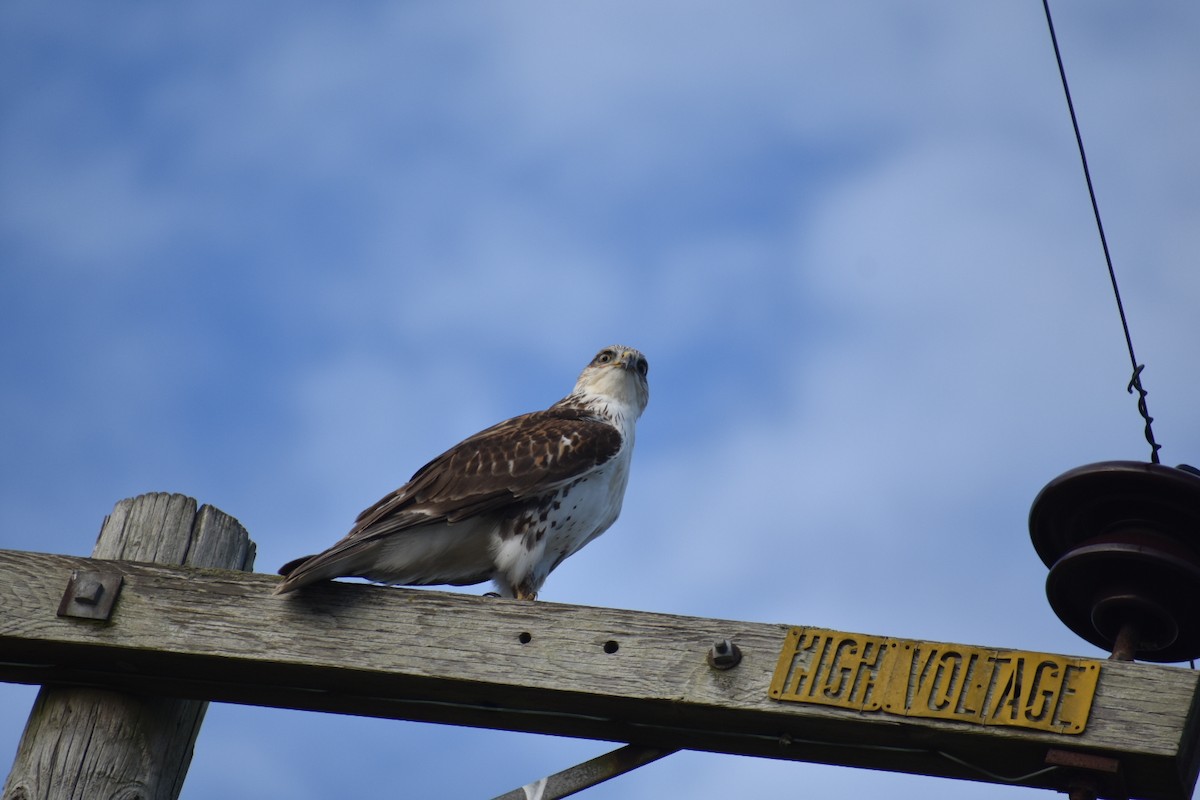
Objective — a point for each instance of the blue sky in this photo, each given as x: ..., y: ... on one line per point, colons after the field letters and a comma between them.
x: 278, y: 256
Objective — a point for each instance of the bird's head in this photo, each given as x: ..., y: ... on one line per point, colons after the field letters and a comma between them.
x: 618, y: 375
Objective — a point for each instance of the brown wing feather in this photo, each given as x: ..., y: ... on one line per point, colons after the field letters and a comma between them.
x: 493, y: 469
x: 505, y: 463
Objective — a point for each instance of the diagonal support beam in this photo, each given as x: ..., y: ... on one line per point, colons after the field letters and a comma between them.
x: 582, y: 776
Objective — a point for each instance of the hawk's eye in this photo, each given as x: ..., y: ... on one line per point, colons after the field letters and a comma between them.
x: 642, y: 367
x: 604, y: 357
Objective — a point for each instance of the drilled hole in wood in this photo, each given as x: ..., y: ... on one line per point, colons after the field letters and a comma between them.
x: 525, y: 637
x: 611, y: 646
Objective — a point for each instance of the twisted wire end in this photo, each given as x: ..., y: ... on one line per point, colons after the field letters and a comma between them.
x: 1135, y: 385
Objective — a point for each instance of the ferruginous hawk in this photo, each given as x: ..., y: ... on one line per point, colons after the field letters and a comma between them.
x: 507, y: 504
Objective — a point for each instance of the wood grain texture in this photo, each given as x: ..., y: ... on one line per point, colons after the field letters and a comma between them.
x: 600, y: 673
x: 86, y: 742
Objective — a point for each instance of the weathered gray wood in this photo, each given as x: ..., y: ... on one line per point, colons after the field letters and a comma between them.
x: 599, y: 673
x: 84, y: 742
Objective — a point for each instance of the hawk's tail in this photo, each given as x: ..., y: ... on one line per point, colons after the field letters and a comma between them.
x: 293, y: 581
x: 300, y: 572
x: 348, y: 557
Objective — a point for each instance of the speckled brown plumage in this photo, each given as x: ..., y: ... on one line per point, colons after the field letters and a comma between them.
x: 509, y: 503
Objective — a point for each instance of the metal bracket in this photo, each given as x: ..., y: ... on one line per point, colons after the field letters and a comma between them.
x: 1091, y: 775
x: 90, y: 595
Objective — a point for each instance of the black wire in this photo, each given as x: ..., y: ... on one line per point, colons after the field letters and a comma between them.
x: 1135, y: 383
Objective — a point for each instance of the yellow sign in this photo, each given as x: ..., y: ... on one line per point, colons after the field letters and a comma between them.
x: 930, y: 679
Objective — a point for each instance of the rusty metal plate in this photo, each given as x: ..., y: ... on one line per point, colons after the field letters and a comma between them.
x: 930, y: 679
x: 90, y: 595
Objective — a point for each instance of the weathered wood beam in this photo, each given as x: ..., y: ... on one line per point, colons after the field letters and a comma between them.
x: 607, y: 674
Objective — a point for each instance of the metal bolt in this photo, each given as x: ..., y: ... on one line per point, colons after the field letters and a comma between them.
x: 724, y: 655
x: 88, y: 590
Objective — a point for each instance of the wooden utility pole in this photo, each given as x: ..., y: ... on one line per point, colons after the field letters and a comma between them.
x: 656, y: 681
x: 85, y: 743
